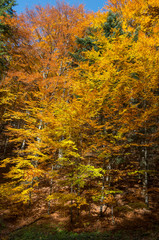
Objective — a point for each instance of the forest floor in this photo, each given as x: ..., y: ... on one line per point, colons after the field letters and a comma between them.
x: 133, y: 221
x: 138, y: 224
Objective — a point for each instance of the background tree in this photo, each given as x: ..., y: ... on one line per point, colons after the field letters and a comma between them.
x: 6, y: 36
x: 6, y: 9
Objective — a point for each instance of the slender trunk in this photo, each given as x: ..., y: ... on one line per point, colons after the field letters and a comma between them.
x: 145, y: 178
x: 145, y: 165
x: 51, y: 185
x: 60, y: 154
x: 5, y: 146
x: 71, y: 209
x: 23, y: 145
x: 101, y: 205
x: 108, y: 179
x: 30, y: 193
x: 34, y: 163
x: 102, y: 196
x: 102, y: 190
x: 112, y: 213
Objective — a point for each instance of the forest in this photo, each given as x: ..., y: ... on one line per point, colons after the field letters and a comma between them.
x: 79, y: 117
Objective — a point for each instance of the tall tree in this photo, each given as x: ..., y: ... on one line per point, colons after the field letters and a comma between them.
x: 38, y: 79
x: 6, y: 9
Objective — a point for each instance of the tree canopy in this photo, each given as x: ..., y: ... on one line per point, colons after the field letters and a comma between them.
x: 79, y: 105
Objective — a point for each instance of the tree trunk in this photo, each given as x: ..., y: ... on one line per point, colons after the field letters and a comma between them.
x: 145, y: 178
x: 51, y: 185
x: 112, y: 213
x: 71, y: 209
x: 102, y: 197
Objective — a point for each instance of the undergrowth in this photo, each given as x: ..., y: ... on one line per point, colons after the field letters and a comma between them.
x: 48, y: 232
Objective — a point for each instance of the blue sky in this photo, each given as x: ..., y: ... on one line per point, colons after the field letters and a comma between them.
x: 90, y: 5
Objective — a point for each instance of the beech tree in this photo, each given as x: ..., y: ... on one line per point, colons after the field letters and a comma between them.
x: 143, y: 16
x: 120, y: 68
x: 6, y: 9
x: 38, y: 80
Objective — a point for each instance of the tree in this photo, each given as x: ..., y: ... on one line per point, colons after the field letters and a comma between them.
x: 6, y: 9
x: 143, y: 16
x: 121, y: 72
x: 38, y: 80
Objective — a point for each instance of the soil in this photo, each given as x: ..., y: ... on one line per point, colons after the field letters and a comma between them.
x: 15, y: 217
